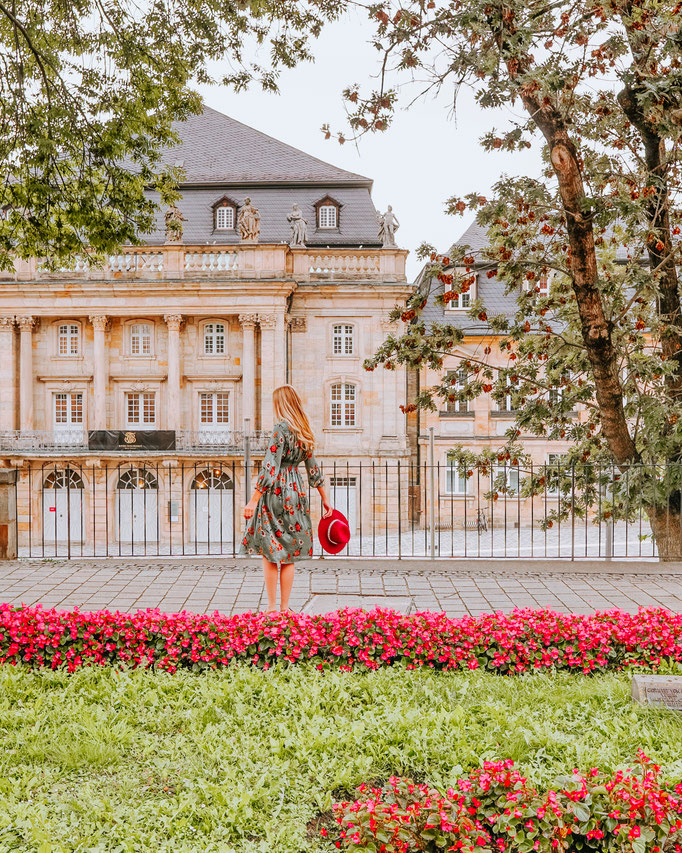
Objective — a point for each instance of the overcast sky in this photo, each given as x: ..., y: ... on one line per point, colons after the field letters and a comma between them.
x: 425, y: 157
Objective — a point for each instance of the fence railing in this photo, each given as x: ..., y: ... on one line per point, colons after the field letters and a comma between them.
x: 394, y: 509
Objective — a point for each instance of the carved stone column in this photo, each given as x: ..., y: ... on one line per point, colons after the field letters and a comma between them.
x: 280, y: 360
x: 26, y: 325
x: 8, y: 399
x: 268, y: 346
x: 173, y: 413
x: 99, y: 371
x: 248, y: 323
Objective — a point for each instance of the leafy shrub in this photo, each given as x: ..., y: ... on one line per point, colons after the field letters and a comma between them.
x: 495, y: 809
x: 521, y: 641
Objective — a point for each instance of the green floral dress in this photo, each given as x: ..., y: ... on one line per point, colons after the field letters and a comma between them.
x: 280, y: 528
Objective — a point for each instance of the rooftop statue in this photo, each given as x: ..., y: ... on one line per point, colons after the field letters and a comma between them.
x: 299, y: 228
x: 248, y: 222
x: 388, y: 225
x: 174, y: 220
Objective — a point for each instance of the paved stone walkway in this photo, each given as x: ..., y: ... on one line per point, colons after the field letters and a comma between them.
x: 234, y: 586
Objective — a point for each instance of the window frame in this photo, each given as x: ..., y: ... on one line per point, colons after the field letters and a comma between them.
x: 344, y: 404
x: 69, y: 337
x: 327, y: 202
x: 142, y: 423
x: 213, y: 425
x: 224, y: 202
x: 461, y: 382
x: 130, y: 333
x: 346, y: 333
x: 204, y: 325
x: 455, y: 304
x: 69, y: 425
x: 460, y: 470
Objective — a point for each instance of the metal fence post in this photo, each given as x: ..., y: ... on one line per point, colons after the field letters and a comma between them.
x: 608, y: 533
x: 247, y: 460
x: 432, y: 496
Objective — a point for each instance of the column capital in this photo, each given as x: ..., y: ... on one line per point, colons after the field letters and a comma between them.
x: 267, y: 321
x: 173, y: 321
x: 26, y: 323
x: 7, y: 324
x: 297, y: 324
x: 248, y: 320
x: 99, y: 321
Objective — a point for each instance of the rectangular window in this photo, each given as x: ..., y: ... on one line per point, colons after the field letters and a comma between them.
x: 342, y: 340
x: 554, y: 470
x: 456, y: 480
x: 462, y: 301
x: 327, y: 216
x: 506, y: 404
x: 68, y: 409
x: 224, y: 218
x: 458, y: 379
x: 68, y: 339
x: 343, y: 400
x: 508, y: 476
x: 141, y: 408
x: 140, y: 339
x: 214, y: 409
x: 214, y: 339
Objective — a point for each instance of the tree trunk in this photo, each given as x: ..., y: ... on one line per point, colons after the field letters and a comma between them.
x: 667, y: 530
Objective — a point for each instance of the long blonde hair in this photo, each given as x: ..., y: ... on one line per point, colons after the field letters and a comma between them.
x: 288, y: 407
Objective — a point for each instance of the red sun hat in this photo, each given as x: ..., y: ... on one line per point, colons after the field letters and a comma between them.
x: 333, y: 532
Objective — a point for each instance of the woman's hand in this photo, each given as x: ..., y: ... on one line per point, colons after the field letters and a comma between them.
x: 250, y: 508
x: 327, y: 509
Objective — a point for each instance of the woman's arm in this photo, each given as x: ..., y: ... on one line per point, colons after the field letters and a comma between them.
x: 327, y: 508
x: 250, y: 508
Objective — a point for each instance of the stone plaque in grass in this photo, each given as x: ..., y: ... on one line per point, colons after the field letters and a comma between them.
x: 665, y: 690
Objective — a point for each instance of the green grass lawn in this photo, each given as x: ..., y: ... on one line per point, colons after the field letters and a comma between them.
x: 241, y: 760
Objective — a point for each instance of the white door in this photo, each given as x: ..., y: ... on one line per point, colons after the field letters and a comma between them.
x: 210, y: 516
x: 62, y: 515
x: 137, y: 515
x: 344, y: 497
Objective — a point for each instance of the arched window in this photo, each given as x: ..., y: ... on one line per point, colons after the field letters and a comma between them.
x: 140, y: 339
x: 343, y: 399
x: 137, y: 478
x: 68, y: 339
x: 212, y: 478
x: 63, y: 479
x: 214, y: 338
x: 343, y: 342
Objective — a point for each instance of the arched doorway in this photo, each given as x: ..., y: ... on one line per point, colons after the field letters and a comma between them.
x: 211, y: 508
x: 62, y: 498
x: 137, y: 506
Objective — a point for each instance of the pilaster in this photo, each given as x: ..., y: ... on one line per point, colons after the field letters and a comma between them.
x: 26, y: 326
x: 8, y: 406
x: 99, y: 371
x: 248, y: 324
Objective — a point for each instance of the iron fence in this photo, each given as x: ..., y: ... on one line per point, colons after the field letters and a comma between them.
x: 394, y: 509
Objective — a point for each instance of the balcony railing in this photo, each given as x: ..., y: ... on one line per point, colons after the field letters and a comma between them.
x: 177, y: 261
x: 223, y: 441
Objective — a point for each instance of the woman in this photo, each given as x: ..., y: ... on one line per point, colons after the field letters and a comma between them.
x: 278, y: 519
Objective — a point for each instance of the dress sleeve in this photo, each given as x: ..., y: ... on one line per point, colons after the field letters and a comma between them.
x: 272, y: 462
x: 315, y: 475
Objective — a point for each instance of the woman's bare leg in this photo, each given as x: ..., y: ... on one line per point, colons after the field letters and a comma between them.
x: 286, y: 581
x: 270, y: 576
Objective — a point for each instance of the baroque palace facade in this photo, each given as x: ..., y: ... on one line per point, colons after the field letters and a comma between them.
x: 131, y: 396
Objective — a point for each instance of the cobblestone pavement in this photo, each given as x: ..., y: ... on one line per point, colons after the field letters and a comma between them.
x: 235, y: 586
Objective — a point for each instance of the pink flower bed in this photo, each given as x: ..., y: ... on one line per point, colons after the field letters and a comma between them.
x: 349, y: 639
x: 495, y: 810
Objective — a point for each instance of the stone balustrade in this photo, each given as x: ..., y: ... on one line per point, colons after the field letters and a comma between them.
x: 178, y: 261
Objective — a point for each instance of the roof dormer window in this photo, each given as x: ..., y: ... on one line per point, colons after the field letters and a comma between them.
x: 327, y: 213
x: 224, y: 215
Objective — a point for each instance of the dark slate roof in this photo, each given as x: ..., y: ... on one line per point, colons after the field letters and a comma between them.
x: 489, y: 290
x: 357, y: 216
x: 223, y: 157
x: 217, y: 149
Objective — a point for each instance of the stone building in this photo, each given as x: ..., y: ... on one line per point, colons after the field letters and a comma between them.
x: 129, y: 393
x: 479, y: 424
